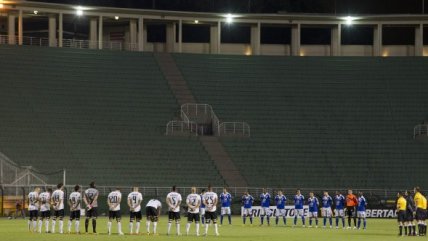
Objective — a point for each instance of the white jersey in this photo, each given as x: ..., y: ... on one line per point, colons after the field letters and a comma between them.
x: 135, y: 198
x: 115, y: 197
x: 174, y: 198
x: 210, y: 199
x: 45, y: 201
x: 194, y: 200
x: 90, y: 195
x: 154, y: 203
x: 58, y: 199
x: 75, y: 200
x: 33, y: 201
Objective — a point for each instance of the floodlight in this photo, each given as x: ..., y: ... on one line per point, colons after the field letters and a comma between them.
x: 36, y: 12
x: 196, y: 21
x: 229, y: 18
x: 116, y: 17
x: 349, y: 20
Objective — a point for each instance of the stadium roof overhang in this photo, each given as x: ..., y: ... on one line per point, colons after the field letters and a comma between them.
x: 203, y: 17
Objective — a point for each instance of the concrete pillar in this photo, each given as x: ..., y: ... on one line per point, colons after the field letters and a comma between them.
x: 180, y: 36
x: 336, y: 40
x: 170, y: 37
x: 132, y: 34
x: 93, y: 33
x: 60, y: 30
x: 377, y: 40
x: 141, y: 34
x: 11, y: 28
x: 20, y: 28
x: 295, y: 40
x: 215, y: 38
x: 100, y: 32
x: 419, y: 40
x: 255, y: 39
x: 52, y: 30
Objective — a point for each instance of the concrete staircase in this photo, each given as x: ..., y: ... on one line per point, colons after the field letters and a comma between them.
x: 212, y: 145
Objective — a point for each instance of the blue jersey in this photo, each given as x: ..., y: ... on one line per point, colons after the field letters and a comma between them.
x: 202, y: 203
x: 362, y: 203
x: 247, y: 201
x: 298, y: 201
x: 339, y: 201
x: 265, y: 200
x: 327, y: 201
x: 313, y: 204
x: 226, y: 200
x: 280, y: 201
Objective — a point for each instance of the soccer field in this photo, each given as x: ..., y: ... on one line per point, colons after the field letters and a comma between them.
x: 377, y: 229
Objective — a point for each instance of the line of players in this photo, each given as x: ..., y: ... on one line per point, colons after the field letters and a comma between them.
x: 410, y: 209
x: 204, y: 205
x: 355, y: 207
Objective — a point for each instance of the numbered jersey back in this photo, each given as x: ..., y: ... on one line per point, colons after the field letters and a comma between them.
x: 45, y: 199
x: 75, y: 201
x: 33, y: 203
x: 90, y: 195
x: 210, y: 199
x: 194, y: 200
x: 58, y: 199
x: 135, y: 198
x: 115, y: 198
x: 174, y: 198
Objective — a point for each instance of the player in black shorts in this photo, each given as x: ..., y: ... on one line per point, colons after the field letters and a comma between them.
x: 401, y: 212
x: 409, y: 214
x: 90, y: 197
x: 210, y: 199
x: 153, y: 209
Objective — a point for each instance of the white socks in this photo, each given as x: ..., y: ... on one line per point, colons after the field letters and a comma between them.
x: 137, y: 228
x: 109, y: 227
x: 61, y: 226
x: 148, y: 226
x: 216, y: 229
x: 77, y: 226
x: 53, y: 226
x: 155, y: 225
x: 169, y: 228
x: 131, y: 225
x: 177, y: 225
x: 69, y: 226
x: 197, y: 229
x: 119, y: 228
x: 34, y: 226
x: 47, y: 225
x: 206, y: 228
x: 187, y: 228
x: 40, y: 226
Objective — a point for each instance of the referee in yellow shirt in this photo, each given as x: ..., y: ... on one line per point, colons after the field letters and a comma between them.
x: 401, y: 212
x: 421, y: 211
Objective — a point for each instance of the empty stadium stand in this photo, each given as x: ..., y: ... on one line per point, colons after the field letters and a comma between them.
x: 319, y: 122
x: 100, y: 115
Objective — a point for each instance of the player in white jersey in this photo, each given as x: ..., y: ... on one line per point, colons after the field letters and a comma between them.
x: 91, y: 200
x: 57, y: 201
x: 113, y: 201
x: 33, y: 208
x: 153, y: 209
x: 74, y: 202
x: 210, y: 199
x: 193, y: 202
x: 173, y: 200
x: 134, y: 202
x: 45, y: 209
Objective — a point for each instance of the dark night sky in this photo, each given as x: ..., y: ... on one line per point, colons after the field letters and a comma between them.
x: 274, y: 35
x: 266, y: 6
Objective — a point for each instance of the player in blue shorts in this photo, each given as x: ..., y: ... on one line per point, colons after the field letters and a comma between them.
x: 361, y: 209
x: 299, y: 199
x: 313, y: 209
x: 339, y: 202
x: 326, y: 209
x: 226, y: 202
x: 265, y: 203
x: 280, y: 201
x: 247, y: 202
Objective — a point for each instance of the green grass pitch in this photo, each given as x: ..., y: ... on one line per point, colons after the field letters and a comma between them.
x: 377, y: 229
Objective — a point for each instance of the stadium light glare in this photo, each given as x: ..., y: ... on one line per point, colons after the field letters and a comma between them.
x: 36, y: 12
x: 116, y: 17
x: 79, y: 11
x: 349, y: 20
x: 229, y: 18
x: 1, y: 5
x: 196, y: 21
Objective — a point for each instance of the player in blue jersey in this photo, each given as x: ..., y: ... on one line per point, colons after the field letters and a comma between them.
x: 313, y: 209
x: 299, y: 199
x: 226, y: 202
x: 247, y: 202
x: 280, y: 201
x: 361, y: 210
x: 326, y: 201
x: 339, y: 202
x: 202, y: 208
x: 265, y: 203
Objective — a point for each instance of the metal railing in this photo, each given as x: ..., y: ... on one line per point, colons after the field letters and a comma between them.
x: 181, y: 127
x: 234, y: 128
x: 420, y: 130
x: 68, y: 43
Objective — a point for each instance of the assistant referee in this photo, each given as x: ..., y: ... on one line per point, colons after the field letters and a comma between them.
x: 401, y: 212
